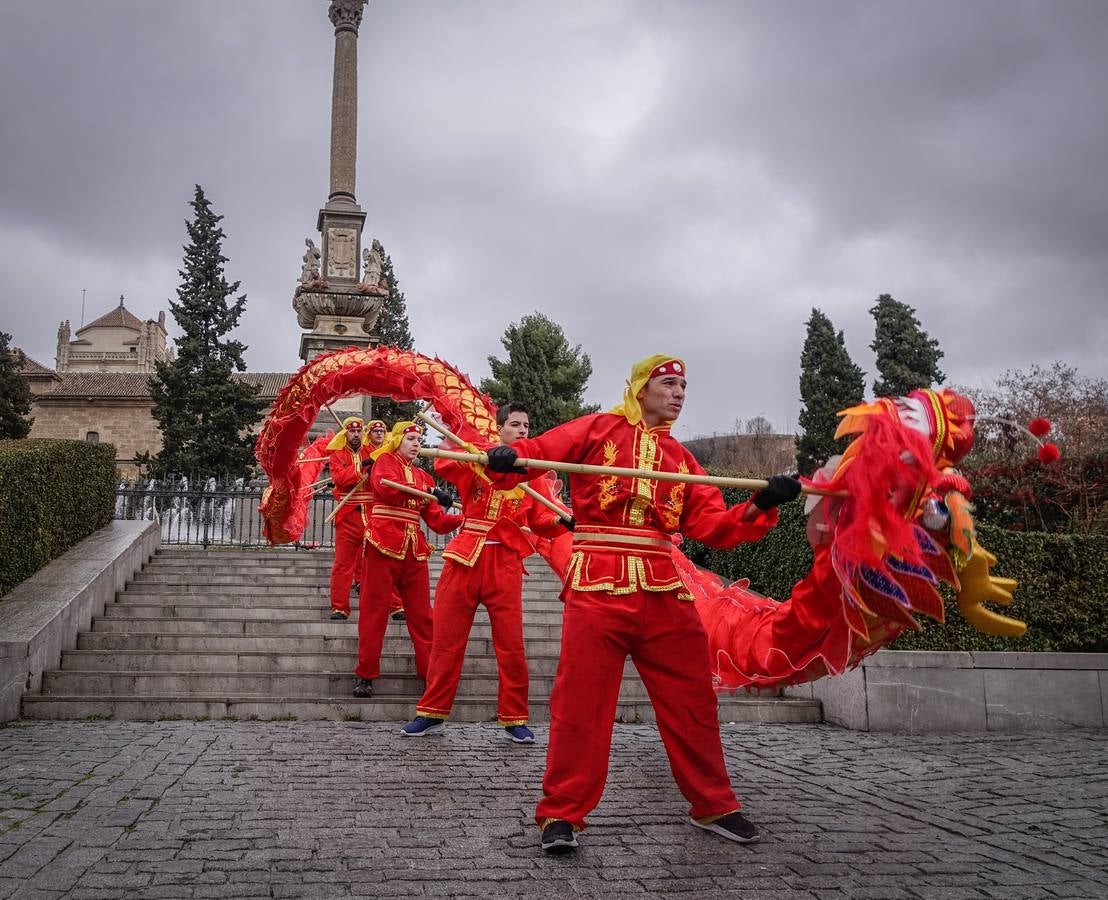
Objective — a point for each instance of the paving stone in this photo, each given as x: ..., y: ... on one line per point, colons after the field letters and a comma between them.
x: 329, y: 809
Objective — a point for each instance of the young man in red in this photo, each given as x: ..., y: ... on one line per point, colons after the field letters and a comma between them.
x: 484, y: 565
x: 623, y: 596
x: 349, y: 462
x: 396, y: 553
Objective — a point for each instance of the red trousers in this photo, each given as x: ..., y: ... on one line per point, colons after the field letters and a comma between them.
x: 389, y: 583
x: 668, y: 646
x: 349, y: 536
x: 496, y: 580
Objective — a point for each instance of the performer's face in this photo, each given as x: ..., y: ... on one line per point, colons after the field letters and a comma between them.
x: 377, y: 435
x: 662, y: 398
x: 409, y: 447
x: 354, y: 435
x: 515, y: 427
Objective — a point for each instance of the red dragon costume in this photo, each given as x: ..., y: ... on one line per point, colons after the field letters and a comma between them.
x: 879, y: 555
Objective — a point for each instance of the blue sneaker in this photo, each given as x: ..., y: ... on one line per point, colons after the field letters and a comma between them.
x: 519, y: 734
x: 421, y: 726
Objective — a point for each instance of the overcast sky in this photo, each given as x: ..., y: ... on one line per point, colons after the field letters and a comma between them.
x: 687, y: 176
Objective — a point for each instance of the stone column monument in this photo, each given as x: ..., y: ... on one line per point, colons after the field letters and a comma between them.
x: 334, y: 305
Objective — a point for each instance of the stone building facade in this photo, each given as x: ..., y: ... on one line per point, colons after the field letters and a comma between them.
x: 100, y: 388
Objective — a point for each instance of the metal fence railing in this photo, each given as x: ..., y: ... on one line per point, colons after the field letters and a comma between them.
x: 222, y: 514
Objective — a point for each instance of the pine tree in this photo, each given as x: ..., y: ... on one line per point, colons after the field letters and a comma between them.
x: 15, y: 393
x: 392, y: 330
x: 542, y: 371
x: 829, y: 382
x: 907, y: 358
x: 204, y: 414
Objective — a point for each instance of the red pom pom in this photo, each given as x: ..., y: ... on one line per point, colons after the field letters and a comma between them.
x: 1039, y: 427
x: 1049, y: 453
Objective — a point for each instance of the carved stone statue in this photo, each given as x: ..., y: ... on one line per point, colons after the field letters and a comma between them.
x: 309, y: 271
x: 372, y: 262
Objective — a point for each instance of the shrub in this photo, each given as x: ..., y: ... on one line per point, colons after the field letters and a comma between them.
x: 1062, y: 595
x: 53, y: 494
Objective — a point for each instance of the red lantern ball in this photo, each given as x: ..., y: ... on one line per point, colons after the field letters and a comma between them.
x: 1039, y: 427
x: 1049, y: 453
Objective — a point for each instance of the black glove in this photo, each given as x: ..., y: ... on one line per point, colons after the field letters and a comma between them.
x: 445, y: 500
x: 502, y: 458
x: 569, y: 524
x: 781, y: 489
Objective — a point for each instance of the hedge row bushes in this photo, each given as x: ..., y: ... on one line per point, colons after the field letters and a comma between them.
x: 1062, y: 595
x: 52, y: 495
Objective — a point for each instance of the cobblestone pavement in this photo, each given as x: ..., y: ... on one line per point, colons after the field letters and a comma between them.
x: 298, y: 809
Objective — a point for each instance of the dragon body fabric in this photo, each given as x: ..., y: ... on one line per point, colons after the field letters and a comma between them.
x: 894, y: 524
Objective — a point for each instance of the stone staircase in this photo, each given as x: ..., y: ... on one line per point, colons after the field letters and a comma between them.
x: 245, y: 634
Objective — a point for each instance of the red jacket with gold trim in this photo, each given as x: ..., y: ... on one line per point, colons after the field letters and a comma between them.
x: 394, y: 527
x: 495, y: 514
x: 347, y: 468
x: 624, y: 531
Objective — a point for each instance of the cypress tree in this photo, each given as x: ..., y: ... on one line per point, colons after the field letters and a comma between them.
x: 393, y: 330
x: 15, y: 393
x: 907, y: 358
x: 829, y: 382
x: 204, y: 414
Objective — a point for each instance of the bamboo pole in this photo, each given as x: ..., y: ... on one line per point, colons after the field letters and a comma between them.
x: 315, y: 484
x: 414, y: 491
x: 322, y: 459
x: 585, y: 469
x: 334, y: 415
x: 527, y: 489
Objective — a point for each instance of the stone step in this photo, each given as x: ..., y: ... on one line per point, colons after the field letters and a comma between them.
x: 283, y: 628
x: 262, y: 661
x: 187, y: 609
x: 240, y: 643
x: 766, y: 711
x: 248, y: 588
x: 535, y: 600
x: 280, y: 684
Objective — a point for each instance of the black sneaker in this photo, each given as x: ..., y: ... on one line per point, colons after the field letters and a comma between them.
x: 558, y: 837
x: 397, y: 615
x: 363, y: 687
x: 339, y: 615
x: 733, y: 826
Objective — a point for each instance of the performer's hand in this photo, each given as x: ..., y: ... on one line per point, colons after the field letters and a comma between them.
x: 780, y: 489
x: 569, y: 524
x: 502, y: 458
x: 445, y: 500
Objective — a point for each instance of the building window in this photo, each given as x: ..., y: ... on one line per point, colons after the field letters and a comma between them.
x: 93, y: 437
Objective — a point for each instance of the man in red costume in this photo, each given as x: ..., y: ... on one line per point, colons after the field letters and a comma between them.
x: 484, y: 565
x: 349, y: 462
x: 623, y: 596
x: 396, y: 553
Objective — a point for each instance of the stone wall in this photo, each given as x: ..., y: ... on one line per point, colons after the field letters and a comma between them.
x: 126, y: 423
x: 919, y: 691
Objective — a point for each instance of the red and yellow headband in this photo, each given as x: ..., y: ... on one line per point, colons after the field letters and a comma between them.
x: 657, y: 366
x: 396, y: 436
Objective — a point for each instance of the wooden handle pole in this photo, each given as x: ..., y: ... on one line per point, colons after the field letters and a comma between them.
x: 334, y: 512
x: 458, y: 442
x: 322, y: 459
x: 408, y: 489
x: 584, y: 469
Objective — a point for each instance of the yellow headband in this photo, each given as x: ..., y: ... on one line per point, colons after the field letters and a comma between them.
x: 640, y: 375
x: 338, y: 442
x: 392, y: 442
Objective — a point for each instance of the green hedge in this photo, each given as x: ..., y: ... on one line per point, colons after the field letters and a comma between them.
x: 1062, y: 595
x: 52, y: 495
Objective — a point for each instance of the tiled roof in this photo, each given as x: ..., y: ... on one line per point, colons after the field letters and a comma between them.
x: 32, y: 367
x: 120, y: 317
x: 137, y: 384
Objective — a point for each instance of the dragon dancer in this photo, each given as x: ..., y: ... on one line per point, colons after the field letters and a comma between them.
x: 483, y: 564
x: 624, y: 596
x: 396, y: 552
